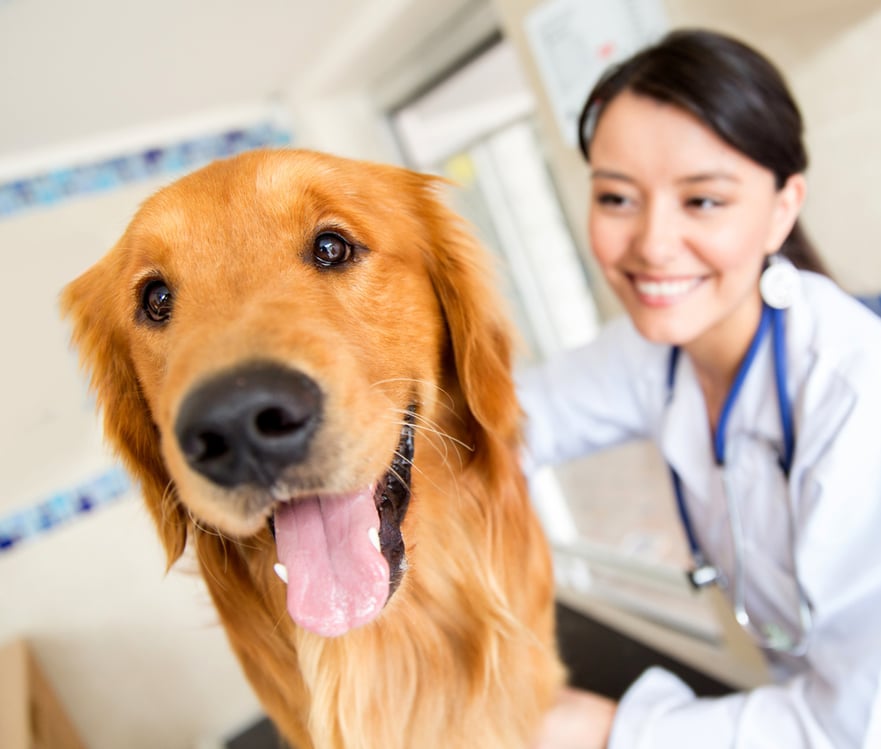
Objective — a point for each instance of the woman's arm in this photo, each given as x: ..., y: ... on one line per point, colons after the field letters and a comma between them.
x: 592, y: 397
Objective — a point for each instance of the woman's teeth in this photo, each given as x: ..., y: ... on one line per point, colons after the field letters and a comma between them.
x: 667, y: 288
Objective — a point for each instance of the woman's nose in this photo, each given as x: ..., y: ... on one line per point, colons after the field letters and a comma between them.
x: 657, y: 237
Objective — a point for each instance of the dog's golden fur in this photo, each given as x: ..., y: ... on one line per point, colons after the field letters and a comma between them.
x: 463, y: 654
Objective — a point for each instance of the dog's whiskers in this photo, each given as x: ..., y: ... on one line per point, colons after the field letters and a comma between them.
x: 441, y: 445
x: 432, y: 426
x: 424, y: 424
x: 446, y: 401
x: 416, y: 469
x: 208, y: 530
x: 397, y: 475
x: 444, y: 454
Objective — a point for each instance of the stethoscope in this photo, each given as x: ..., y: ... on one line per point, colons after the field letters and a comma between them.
x: 771, y: 636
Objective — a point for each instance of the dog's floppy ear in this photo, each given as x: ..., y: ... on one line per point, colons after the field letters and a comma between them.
x: 477, y: 321
x: 96, y: 306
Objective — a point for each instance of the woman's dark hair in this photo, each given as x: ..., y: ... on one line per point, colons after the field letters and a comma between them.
x: 729, y: 87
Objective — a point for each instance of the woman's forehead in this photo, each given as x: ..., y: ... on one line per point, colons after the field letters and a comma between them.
x: 637, y: 136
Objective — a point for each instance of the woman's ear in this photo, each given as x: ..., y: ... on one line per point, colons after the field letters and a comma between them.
x: 789, y: 200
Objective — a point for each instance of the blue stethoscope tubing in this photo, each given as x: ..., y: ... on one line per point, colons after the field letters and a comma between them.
x: 705, y: 573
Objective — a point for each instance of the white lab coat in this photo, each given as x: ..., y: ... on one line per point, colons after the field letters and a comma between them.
x: 826, y: 519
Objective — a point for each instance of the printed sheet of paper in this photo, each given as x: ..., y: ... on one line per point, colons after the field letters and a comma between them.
x: 573, y: 41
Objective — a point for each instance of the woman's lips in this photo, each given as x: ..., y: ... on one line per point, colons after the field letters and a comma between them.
x: 663, y: 292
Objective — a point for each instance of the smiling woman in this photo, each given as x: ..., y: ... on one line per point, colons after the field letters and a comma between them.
x: 732, y: 361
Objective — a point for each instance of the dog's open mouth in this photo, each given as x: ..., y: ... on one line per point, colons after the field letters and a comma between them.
x: 342, y: 555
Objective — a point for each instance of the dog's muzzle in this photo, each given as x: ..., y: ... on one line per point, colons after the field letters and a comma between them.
x: 342, y: 555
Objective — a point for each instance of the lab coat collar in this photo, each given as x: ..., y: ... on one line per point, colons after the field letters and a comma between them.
x: 686, y: 440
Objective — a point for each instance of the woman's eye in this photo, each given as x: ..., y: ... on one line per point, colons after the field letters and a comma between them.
x: 612, y: 199
x: 331, y: 249
x: 703, y: 203
x: 157, y: 301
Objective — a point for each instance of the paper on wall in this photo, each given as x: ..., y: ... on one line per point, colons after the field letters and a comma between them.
x: 573, y: 41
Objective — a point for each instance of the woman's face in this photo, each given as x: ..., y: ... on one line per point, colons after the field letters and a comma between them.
x: 680, y: 222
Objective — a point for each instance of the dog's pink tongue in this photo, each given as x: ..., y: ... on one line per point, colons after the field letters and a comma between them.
x: 337, y: 579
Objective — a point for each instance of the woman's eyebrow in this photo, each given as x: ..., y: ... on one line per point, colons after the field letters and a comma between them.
x: 687, y: 179
x: 708, y: 177
x: 610, y: 174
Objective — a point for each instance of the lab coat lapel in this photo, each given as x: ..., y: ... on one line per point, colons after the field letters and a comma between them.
x: 685, y: 438
x: 756, y: 414
x: 687, y: 444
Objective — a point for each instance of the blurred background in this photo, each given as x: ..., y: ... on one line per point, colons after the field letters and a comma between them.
x: 104, y: 101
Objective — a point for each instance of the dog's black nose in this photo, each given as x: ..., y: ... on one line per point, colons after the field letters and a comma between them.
x: 249, y: 424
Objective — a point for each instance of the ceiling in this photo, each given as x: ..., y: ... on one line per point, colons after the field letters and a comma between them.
x: 77, y: 71
x: 76, y: 76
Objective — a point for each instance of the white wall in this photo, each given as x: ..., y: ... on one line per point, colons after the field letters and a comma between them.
x: 55, y: 437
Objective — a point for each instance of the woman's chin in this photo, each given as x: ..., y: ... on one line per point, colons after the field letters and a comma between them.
x: 660, y: 326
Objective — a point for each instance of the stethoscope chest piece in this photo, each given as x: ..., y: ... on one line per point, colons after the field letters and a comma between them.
x: 776, y: 638
x: 703, y: 575
x: 779, y: 282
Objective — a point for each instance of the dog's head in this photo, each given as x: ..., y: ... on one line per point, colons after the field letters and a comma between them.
x: 268, y: 340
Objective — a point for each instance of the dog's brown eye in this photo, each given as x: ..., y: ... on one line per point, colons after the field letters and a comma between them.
x: 331, y: 249
x: 156, y: 301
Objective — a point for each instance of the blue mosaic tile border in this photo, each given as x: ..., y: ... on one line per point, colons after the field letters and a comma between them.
x: 56, y: 186
x: 30, y: 522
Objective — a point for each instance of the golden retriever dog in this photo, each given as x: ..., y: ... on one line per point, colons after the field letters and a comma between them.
x: 300, y: 360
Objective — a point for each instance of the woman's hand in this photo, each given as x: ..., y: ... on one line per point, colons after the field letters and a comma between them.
x: 579, y: 720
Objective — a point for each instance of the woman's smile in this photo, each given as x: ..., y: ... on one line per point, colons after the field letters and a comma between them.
x: 655, y: 291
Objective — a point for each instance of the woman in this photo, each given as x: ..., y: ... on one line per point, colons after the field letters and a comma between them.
x: 760, y: 383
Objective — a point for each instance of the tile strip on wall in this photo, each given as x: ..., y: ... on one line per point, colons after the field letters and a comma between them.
x: 61, y: 508
x: 53, y: 187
